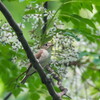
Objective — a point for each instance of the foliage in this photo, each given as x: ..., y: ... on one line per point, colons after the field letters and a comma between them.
x: 73, y: 26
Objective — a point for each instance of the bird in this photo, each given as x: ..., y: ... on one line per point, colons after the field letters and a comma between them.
x: 43, y: 56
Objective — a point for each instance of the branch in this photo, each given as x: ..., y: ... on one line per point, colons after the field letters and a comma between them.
x: 73, y: 63
x: 45, y: 19
x: 94, y: 68
x: 31, y: 57
x: 56, y: 77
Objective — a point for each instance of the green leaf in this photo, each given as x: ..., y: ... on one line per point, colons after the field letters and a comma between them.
x: 72, y: 35
x: 34, y: 96
x: 32, y: 11
x: 96, y: 61
x: 16, y: 91
x: 81, y: 54
x: 87, y: 33
x: 77, y: 20
x: 87, y: 6
x: 84, y: 20
x: 2, y: 19
x: 16, y: 8
x: 26, y: 30
x: 96, y: 17
x: 48, y: 98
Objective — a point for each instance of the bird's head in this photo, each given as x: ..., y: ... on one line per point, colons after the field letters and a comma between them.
x: 47, y: 46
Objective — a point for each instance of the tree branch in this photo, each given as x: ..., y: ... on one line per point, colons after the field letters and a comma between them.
x: 56, y: 77
x: 45, y: 19
x: 29, y: 53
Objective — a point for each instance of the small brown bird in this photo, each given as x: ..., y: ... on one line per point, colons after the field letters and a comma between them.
x: 43, y: 56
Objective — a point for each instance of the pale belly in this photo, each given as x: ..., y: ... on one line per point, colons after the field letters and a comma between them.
x: 44, y: 60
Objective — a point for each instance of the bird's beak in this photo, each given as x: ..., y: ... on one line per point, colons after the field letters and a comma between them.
x: 52, y: 45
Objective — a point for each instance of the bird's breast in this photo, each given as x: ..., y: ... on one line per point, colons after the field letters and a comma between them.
x: 45, y: 58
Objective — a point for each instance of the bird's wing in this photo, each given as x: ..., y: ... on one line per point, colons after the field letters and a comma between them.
x: 38, y: 55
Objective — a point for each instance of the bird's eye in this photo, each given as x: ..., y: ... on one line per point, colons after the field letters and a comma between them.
x: 45, y: 44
